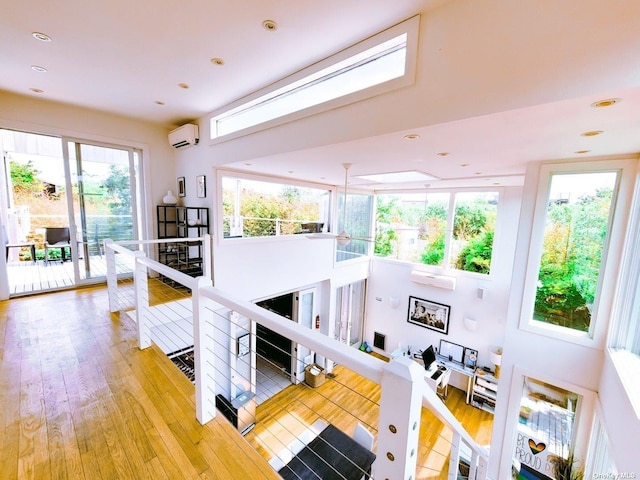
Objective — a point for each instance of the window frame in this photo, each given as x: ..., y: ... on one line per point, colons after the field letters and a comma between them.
x: 445, y: 268
x: 219, y: 222
x: 611, y: 254
x: 410, y: 27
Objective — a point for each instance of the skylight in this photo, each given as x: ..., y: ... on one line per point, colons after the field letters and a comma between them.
x: 366, y: 65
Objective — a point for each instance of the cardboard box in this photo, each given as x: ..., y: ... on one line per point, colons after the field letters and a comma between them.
x: 314, y: 375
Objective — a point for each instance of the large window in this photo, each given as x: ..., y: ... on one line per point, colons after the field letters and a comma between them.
x: 576, y: 232
x: 450, y: 230
x: 256, y: 208
x: 377, y: 61
x: 358, y: 225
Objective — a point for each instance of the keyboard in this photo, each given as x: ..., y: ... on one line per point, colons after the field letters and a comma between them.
x: 436, y: 375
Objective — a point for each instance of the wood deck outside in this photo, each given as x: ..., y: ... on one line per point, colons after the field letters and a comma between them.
x: 26, y: 278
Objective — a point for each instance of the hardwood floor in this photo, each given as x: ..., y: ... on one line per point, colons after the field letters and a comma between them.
x: 78, y: 399
x: 348, y: 399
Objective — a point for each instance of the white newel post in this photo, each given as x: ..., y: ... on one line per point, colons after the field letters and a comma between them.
x: 207, y: 260
x: 399, y: 424
x: 454, y: 458
x: 203, y: 345
x: 142, y: 301
x: 112, y: 276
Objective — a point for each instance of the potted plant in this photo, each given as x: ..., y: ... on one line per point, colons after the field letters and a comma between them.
x: 567, y: 468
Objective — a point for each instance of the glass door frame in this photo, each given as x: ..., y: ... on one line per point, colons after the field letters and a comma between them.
x: 73, y: 226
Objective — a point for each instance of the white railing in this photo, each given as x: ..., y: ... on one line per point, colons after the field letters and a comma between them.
x: 217, y: 320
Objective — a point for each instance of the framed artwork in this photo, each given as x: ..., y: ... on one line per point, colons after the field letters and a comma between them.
x: 243, y: 344
x: 181, y: 188
x: 470, y: 357
x: 428, y: 314
x: 201, y: 186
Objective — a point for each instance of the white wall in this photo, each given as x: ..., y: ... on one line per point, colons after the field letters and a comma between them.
x: 462, y: 76
x: 40, y: 116
x: 392, y: 279
x: 569, y: 365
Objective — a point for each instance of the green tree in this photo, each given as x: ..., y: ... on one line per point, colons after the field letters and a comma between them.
x: 118, y: 190
x: 433, y: 253
x: 476, y: 255
x: 24, y: 177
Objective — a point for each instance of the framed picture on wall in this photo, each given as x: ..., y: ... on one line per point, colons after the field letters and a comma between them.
x: 181, y: 189
x: 201, y: 186
x: 428, y: 314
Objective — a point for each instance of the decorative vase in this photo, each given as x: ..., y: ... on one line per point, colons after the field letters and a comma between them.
x: 169, y: 198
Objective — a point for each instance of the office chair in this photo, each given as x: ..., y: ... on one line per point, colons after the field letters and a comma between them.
x: 57, y: 237
x: 443, y: 387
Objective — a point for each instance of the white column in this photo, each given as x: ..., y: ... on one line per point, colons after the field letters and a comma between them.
x: 203, y: 358
x: 399, y: 424
x: 112, y: 276
x: 142, y: 302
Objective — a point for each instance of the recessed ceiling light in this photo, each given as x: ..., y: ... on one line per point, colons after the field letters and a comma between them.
x: 43, y: 37
x: 183, y: 85
x: 464, y: 164
x: 478, y: 173
x: 606, y: 102
x: 495, y: 183
x: 248, y: 164
x: 38, y: 68
x: 442, y: 154
x: 412, y: 136
x: 36, y: 90
x: 217, y: 61
x: 270, y: 25
x: 591, y: 133
x: 159, y: 102
x: 582, y: 151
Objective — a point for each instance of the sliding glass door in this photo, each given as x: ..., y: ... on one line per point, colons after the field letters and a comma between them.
x: 64, y: 190
x: 103, y: 201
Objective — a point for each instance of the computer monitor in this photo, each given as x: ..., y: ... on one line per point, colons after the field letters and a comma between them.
x: 452, y: 351
x: 428, y: 357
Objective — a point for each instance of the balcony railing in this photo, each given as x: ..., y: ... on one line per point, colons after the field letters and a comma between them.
x: 386, y: 398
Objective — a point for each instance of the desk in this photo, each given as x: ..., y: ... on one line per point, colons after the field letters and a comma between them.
x: 454, y: 367
x: 332, y: 455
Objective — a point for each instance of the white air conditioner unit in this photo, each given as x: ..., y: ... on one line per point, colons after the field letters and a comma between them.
x: 439, y: 281
x: 184, y: 136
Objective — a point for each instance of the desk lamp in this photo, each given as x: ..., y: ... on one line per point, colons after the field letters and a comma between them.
x: 496, y: 358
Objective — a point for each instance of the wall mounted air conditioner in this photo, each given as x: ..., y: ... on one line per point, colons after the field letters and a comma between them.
x: 432, y: 280
x: 184, y: 136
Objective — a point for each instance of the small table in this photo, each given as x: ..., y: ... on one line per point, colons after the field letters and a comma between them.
x: 332, y: 455
x: 30, y: 245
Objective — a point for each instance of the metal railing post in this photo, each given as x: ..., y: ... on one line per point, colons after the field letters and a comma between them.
x: 112, y: 276
x: 399, y: 423
x: 142, y: 301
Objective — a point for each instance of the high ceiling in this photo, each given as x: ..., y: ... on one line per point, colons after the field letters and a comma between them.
x: 126, y: 57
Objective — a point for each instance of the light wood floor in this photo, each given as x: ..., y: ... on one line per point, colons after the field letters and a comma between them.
x: 78, y: 399
x: 349, y: 399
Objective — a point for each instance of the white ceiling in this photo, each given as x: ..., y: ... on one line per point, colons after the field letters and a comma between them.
x: 121, y: 56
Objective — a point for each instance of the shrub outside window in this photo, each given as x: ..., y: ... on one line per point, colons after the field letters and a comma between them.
x: 254, y: 208
x: 415, y: 227
x: 576, y: 233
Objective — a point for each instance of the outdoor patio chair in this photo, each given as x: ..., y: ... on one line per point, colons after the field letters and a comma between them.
x: 57, y: 237
x: 8, y: 245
